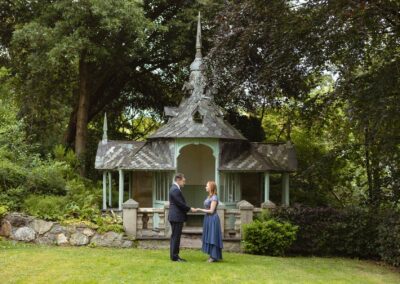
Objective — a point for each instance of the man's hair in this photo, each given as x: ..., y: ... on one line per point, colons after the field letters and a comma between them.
x: 178, y: 176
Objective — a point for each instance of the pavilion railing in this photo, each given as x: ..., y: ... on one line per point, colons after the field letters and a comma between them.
x: 139, y: 222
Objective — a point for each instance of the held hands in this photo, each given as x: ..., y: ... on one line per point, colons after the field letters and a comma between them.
x: 195, y: 209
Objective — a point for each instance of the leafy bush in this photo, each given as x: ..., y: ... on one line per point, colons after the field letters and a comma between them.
x: 268, y: 237
x: 47, y: 177
x: 48, y: 207
x: 83, y: 200
x: 351, y: 232
x: 329, y: 231
x: 109, y: 223
x: 3, y: 211
x: 389, y: 238
x: 13, y: 197
x: 11, y: 174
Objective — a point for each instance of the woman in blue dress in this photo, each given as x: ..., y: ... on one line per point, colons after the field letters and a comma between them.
x: 212, y: 236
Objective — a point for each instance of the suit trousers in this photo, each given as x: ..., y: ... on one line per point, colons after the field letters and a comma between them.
x: 175, y: 239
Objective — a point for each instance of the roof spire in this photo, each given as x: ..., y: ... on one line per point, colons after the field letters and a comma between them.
x: 105, y: 129
x: 197, y: 64
x: 198, y: 38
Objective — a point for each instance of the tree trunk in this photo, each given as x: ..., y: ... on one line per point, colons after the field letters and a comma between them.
x: 82, y: 115
x: 70, y: 133
x: 368, y: 165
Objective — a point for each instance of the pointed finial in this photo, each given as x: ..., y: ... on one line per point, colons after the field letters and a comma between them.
x: 105, y: 129
x: 198, y: 38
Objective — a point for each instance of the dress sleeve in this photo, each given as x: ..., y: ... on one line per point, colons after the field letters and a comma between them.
x: 214, y: 198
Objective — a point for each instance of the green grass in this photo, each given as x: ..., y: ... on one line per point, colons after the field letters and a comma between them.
x: 25, y: 263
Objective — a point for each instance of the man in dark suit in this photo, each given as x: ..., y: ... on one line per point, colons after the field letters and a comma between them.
x: 177, y: 215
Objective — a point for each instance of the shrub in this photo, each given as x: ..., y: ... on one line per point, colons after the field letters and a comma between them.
x: 268, y: 237
x: 11, y: 174
x: 13, y: 197
x: 46, y: 207
x: 109, y: 223
x: 3, y: 211
x: 389, y: 238
x: 329, y: 231
x: 83, y: 200
x: 47, y: 177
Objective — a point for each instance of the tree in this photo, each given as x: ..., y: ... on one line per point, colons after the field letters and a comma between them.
x: 83, y: 56
x: 272, y: 54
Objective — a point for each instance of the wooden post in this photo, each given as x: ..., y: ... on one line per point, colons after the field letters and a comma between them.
x: 266, y: 187
x: 104, y: 190
x: 109, y: 190
x: 130, y: 185
x: 285, y: 189
x: 267, y: 203
x: 121, y: 189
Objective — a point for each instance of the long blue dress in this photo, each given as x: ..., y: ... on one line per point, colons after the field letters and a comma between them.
x: 212, y: 235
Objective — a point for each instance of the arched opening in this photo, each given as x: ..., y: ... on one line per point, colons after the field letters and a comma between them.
x: 197, y: 163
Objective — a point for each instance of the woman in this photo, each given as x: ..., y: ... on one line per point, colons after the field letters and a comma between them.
x: 212, y: 236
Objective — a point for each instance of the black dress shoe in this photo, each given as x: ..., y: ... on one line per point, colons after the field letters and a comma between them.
x: 179, y: 260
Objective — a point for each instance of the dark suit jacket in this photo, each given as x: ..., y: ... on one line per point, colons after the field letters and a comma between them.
x: 177, y: 205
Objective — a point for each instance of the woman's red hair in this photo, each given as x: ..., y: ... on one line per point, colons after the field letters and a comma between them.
x: 213, y: 188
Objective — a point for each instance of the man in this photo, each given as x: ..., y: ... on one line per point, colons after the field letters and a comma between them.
x: 177, y: 215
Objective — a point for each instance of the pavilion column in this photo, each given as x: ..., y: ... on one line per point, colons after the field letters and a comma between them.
x: 109, y: 190
x: 121, y: 189
x: 266, y: 187
x: 104, y: 190
x: 285, y: 189
x: 130, y: 185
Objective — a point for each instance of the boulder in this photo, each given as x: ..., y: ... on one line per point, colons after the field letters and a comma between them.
x: 109, y: 239
x: 88, y: 232
x: 25, y: 234
x: 46, y: 240
x: 79, y: 239
x: 18, y: 219
x: 5, y: 229
x: 58, y: 229
x: 62, y: 239
x: 41, y: 226
x: 127, y: 244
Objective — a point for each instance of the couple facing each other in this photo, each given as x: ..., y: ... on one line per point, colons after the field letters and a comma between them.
x: 212, y: 236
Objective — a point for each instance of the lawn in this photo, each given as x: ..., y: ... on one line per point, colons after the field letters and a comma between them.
x: 25, y: 263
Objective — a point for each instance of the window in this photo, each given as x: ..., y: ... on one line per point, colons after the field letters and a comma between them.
x: 163, y: 181
x: 230, y: 187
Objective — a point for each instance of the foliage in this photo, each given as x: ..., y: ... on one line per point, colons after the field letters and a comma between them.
x: 110, y: 223
x: 83, y: 200
x: 389, y: 238
x: 351, y: 232
x: 48, y: 207
x: 275, y: 57
x: 268, y: 237
x: 3, y: 211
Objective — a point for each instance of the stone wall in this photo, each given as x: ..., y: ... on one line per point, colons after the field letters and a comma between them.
x: 20, y: 227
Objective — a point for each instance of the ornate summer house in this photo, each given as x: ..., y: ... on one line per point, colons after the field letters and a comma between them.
x: 197, y: 141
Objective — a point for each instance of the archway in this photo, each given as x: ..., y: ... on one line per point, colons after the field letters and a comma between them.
x: 197, y: 163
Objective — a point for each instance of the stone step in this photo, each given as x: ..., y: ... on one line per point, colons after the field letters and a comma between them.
x: 192, y: 230
x: 193, y: 243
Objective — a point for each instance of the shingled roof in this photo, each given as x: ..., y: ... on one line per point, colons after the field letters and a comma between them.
x: 253, y: 156
x: 197, y: 116
x: 150, y: 155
